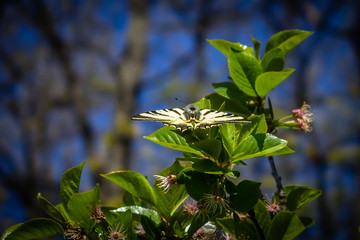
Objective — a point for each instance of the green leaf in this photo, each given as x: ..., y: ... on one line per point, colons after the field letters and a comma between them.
x: 262, y: 216
x: 50, y: 209
x: 273, y: 60
x: 244, y: 69
x: 256, y: 47
x: 128, y: 199
x: 240, y: 230
x: 267, y: 81
x: 197, y: 223
x: 282, y: 151
x: 298, y: 196
x: 227, y: 225
x: 225, y: 46
x: 167, y: 203
x: 134, y: 183
x: 232, y: 134
x: 197, y: 184
x: 230, y: 91
x: 258, y: 145
x: 208, y: 166
x: 141, y: 211
x: 118, y: 218
x: 152, y: 232
x: 247, y: 196
x: 230, y: 187
x: 178, y: 230
x: 82, y: 205
x: 69, y: 184
x: 307, y: 221
x: 271, y: 112
x: 258, y: 125
x: 214, y: 101
x: 233, y: 174
x: 60, y: 207
x: 285, y: 226
x: 230, y: 137
x: 168, y: 137
x: 33, y: 229
x: 210, y: 146
x: 286, y: 40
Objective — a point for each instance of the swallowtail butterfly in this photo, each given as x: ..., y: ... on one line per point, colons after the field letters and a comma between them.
x: 190, y: 117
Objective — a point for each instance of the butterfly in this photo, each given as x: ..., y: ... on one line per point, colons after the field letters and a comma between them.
x: 190, y: 117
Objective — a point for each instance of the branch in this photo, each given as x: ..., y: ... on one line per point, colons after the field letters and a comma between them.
x: 280, y: 190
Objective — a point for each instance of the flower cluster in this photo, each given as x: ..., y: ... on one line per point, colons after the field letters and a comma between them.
x: 165, y: 182
x: 74, y: 231
x: 139, y: 230
x: 273, y: 206
x: 97, y: 215
x: 116, y: 233
x: 303, y: 117
x: 216, y: 202
x: 190, y: 207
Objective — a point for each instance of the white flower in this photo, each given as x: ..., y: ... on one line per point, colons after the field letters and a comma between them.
x: 165, y: 182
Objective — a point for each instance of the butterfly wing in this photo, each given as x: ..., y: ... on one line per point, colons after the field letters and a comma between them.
x: 171, y: 117
x: 209, y: 118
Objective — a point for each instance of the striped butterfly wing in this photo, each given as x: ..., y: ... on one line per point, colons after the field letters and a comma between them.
x: 170, y: 117
x: 210, y: 118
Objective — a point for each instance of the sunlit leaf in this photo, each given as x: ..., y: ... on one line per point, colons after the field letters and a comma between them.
x: 232, y: 134
x: 256, y: 47
x: 141, y: 211
x: 134, y: 183
x: 230, y: 91
x: 273, y: 60
x: 33, y: 229
x: 69, y: 184
x: 167, y: 137
x: 60, y: 207
x: 286, y: 40
x: 225, y: 47
x: 82, y: 205
x: 114, y: 217
x: 214, y: 101
x: 50, y: 209
x: 258, y: 145
x: 210, y: 146
x: 282, y: 151
x: 167, y: 203
x: 244, y: 69
x: 267, y: 81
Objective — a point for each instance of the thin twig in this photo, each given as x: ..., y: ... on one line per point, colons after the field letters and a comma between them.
x: 275, y: 174
x: 280, y: 190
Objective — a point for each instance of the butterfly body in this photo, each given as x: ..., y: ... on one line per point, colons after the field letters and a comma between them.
x: 190, y: 117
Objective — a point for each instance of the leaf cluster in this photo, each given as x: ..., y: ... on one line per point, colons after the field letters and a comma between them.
x: 223, y: 203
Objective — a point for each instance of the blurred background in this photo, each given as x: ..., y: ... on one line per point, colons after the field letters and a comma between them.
x: 72, y: 73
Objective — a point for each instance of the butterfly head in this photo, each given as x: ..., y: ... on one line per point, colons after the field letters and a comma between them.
x: 192, y: 112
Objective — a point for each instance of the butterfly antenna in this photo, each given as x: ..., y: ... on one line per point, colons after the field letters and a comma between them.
x: 180, y: 100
